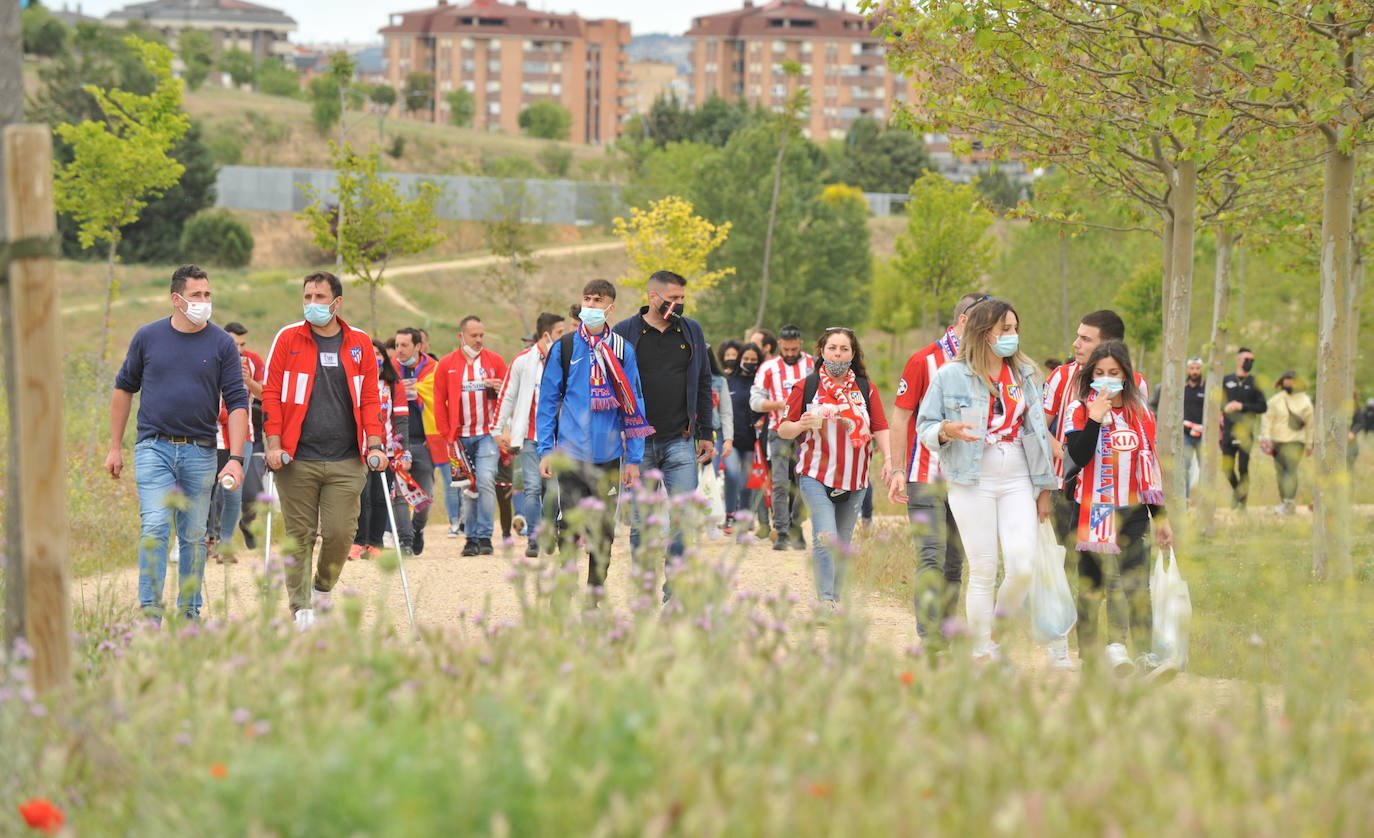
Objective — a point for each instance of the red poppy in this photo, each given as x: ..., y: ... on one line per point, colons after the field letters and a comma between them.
x: 42, y: 815
x: 908, y: 677
x: 218, y: 771
x: 820, y: 789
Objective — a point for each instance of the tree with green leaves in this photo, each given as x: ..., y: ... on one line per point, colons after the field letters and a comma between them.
x: 118, y: 164
x: 945, y: 247
x: 383, y: 97
x: 43, y: 34
x: 546, y: 119
x: 418, y: 93
x: 383, y: 222
x: 879, y: 160
x: 197, y: 56
x: 276, y: 79
x: 462, y: 107
x: 237, y: 64
x: 511, y: 241
x: 786, y: 125
x: 326, y: 103
x: 670, y: 236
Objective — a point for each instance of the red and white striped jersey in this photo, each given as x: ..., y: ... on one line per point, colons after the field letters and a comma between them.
x: 826, y: 455
x: 462, y: 405
x: 1006, y: 409
x: 1059, y: 394
x: 923, y: 465
x: 777, y: 379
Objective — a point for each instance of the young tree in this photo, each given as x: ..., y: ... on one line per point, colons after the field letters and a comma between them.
x: 383, y: 223
x: 669, y: 236
x: 383, y: 96
x: 43, y: 34
x: 418, y: 93
x: 510, y: 240
x: 546, y: 119
x: 945, y: 247
x: 785, y: 125
x: 117, y: 165
x: 197, y: 56
x: 276, y: 79
x: 462, y: 107
x: 878, y: 160
x: 238, y: 65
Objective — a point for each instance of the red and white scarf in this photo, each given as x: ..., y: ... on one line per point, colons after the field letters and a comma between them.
x: 1005, y: 425
x: 841, y: 400
x: 1124, y: 472
x: 609, y: 386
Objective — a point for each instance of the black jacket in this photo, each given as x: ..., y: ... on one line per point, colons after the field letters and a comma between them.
x: 698, y: 375
x: 1245, y: 391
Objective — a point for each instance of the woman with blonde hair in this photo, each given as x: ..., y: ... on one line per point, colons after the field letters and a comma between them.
x: 981, y: 415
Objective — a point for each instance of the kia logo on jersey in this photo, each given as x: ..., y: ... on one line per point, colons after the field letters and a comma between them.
x: 1125, y: 440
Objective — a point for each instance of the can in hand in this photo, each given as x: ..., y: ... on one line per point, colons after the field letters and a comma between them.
x: 228, y: 482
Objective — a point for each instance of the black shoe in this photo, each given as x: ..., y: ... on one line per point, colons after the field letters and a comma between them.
x: 417, y: 542
x: 798, y: 543
x: 249, y: 540
x: 484, y: 547
x: 781, y: 543
x: 532, y: 549
x: 472, y: 547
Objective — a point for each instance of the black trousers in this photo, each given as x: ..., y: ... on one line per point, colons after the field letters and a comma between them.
x: 584, y: 507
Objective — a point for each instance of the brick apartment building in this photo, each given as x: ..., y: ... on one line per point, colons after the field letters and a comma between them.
x: 741, y: 54
x: 510, y: 56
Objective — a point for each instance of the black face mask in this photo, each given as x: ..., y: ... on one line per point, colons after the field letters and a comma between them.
x: 731, y: 365
x: 747, y: 368
x: 1248, y: 364
x: 1288, y: 388
x: 668, y: 309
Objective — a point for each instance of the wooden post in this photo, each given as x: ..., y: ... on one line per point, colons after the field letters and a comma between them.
x: 37, y: 398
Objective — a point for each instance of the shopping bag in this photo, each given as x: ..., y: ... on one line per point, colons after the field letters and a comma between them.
x: 1172, y: 610
x: 758, y: 470
x: 1052, y: 609
x: 711, y: 488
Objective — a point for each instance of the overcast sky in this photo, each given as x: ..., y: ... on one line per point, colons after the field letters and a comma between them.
x: 359, y: 20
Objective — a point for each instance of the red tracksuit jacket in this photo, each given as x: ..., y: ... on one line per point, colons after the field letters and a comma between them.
x: 291, y: 377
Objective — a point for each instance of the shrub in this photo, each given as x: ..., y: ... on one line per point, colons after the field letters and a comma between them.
x: 277, y: 79
x: 547, y: 119
x: 556, y: 160
x: 397, y: 149
x: 511, y: 167
x: 225, y: 149
x: 217, y: 238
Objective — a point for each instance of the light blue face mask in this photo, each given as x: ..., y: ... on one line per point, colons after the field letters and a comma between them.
x: 593, y: 317
x: 318, y: 314
x: 1108, y: 386
x: 1006, y: 345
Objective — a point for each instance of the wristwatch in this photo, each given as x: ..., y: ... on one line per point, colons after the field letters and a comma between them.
x: 376, y: 448
x: 236, y: 457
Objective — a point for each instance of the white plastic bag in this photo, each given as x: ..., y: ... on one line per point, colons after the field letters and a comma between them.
x: 1052, y: 609
x: 1172, y: 610
x: 713, y: 489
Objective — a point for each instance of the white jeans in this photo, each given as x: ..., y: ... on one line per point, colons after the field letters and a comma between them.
x: 1000, y: 508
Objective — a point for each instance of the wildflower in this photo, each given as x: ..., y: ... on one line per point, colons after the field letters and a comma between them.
x: 908, y: 678
x: 218, y: 771
x: 261, y: 727
x: 41, y: 814
x: 241, y: 716
x: 820, y: 789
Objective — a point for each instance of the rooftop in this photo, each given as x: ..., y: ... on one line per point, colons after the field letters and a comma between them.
x: 782, y: 18
x: 486, y: 17
x: 172, y: 12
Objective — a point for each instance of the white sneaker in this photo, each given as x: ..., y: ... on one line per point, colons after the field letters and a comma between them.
x: 321, y: 600
x: 988, y: 652
x: 452, y: 530
x: 387, y: 541
x: 1163, y: 673
x: 1058, y: 653
x: 1119, y: 660
x: 305, y: 618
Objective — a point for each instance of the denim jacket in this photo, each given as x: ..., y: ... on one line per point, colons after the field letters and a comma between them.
x: 957, y: 395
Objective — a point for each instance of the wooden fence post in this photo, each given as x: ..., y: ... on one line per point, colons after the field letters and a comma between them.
x: 37, y: 398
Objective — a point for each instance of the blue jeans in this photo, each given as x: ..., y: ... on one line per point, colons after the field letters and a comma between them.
x: 478, y: 513
x: 162, y: 469
x: 677, y: 460
x: 233, y: 500
x: 532, y: 495
x: 737, y: 467
x: 832, y: 525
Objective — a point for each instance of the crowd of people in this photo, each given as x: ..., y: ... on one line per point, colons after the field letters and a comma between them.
x: 361, y: 437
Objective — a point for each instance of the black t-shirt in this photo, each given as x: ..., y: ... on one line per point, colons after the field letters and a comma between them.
x: 329, y: 432
x: 745, y: 434
x: 1193, y: 398
x: 1243, y: 390
x: 664, y: 358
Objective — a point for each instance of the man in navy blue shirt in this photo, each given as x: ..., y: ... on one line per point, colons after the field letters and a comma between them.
x: 675, y: 368
x: 183, y: 365
x: 589, y: 412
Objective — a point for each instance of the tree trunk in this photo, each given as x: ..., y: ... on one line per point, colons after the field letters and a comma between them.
x: 1331, y: 527
x: 1065, y: 326
x: 768, y: 234
x: 11, y: 111
x: 372, y: 301
x: 111, y: 288
x: 1211, y: 409
x: 1183, y: 201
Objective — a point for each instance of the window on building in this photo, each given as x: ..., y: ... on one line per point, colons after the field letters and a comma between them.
x: 468, y: 65
x: 779, y: 91
x: 493, y: 86
x: 779, y: 47
x: 806, y: 47
x: 494, y: 108
x: 466, y: 43
x: 494, y: 66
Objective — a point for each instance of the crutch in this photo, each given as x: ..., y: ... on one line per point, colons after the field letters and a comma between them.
x: 400, y: 560
x: 270, y: 483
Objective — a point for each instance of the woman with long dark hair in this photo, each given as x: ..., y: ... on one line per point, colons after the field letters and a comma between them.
x: 1110, y: 432
x: 982, y: 416
x: 836, y: 413
x: 395, y: 414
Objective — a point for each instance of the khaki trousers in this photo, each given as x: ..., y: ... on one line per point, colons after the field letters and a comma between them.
x: 319, y: 499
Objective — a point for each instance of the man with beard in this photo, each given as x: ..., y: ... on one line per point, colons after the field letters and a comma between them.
x: 1243, y: 402
x: 772, y: 385
x: 1194, y: 395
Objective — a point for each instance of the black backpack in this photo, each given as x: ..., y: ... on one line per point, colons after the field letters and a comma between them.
x: 813, y: 382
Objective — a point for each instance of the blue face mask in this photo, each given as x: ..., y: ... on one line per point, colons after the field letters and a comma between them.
x: 592, y: 317
x: 1108, y: 386
x: 318, y: 314
x: 1006, y: 345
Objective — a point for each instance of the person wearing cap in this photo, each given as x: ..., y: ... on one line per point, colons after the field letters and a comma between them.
x: 1286, y: 434
x: 1194, y: 398
x: 1242, y: 402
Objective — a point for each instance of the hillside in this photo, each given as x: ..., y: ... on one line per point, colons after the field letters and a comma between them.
x: 277, y: 131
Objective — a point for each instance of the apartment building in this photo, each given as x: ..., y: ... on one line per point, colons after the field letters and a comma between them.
x: 651, y: 79
x: 510, y: 56
x: 740, y: 54
x: 231, y: 24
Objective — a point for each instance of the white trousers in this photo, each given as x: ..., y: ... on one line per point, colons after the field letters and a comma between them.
x: 1000, y: 509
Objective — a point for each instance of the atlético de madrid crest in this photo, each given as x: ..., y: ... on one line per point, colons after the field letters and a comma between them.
x: 357, y: 353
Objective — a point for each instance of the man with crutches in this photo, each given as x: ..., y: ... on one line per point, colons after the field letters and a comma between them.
x: 321, y: 419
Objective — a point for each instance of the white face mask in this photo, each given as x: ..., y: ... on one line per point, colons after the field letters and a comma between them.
x: 470, y: 352
x: 197, y: 313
